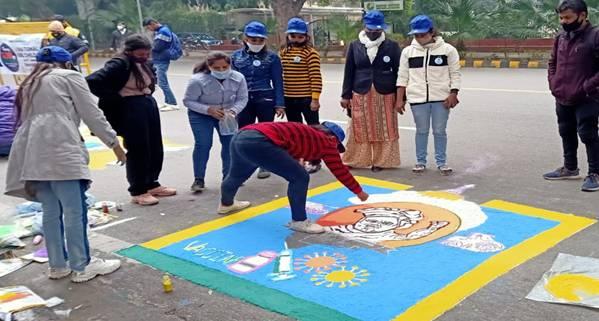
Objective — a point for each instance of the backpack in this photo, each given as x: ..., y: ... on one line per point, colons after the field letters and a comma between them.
x: 175, y: 51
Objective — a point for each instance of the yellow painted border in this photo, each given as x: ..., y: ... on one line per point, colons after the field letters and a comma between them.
x: 251, y: 212
x: 448, y: 297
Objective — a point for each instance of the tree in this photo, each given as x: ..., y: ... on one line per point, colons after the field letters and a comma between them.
x: 344, y: 29
x: 283, y: 11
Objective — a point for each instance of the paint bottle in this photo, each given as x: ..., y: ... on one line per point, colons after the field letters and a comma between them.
x: 105, y: 209
x: 167, y: 284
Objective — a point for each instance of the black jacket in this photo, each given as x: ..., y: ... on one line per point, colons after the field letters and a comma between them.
x: 118, y: 39
x: 106, y: 83
x: 360, y: 74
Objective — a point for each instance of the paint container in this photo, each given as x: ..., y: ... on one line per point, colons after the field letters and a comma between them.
x: 105, y: 209
x: 167, y: 284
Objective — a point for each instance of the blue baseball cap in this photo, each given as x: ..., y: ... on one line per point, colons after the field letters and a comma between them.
x: 374, y: 20
x: 297, y: 25
x: 255, y: 29
x: 52, y: 54
x: 338, y: 132
x: 420, y: 24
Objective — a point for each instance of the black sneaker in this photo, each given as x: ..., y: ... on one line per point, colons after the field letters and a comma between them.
x: 562, y: 173
x: 591, y: 183
x: 312, y: 168
x: 198, y: 185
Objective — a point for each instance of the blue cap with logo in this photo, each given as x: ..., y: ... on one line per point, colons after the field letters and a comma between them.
x: 255, y: 29
x: 297, y: 25
x: 374, y: 20
x: 53, y: 54
x: 338, y: 132
x: 420, y: 24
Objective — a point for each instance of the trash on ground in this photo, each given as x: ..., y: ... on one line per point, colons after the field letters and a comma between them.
x: 54, y: 301
x: 571, y: 280
x: 19, y: 298
x: 63, y: 313
x: 39, y: 256
x: 97, y: 218
x: 8, y: 266
x: 38, y: 239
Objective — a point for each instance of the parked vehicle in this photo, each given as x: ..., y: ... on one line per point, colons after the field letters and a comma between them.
x: 197, y: 40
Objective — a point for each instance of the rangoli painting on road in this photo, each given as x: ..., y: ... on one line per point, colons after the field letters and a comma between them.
x: 402, y: 255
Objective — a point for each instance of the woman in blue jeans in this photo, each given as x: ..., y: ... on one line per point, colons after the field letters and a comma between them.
x: 214, y: 93
x: 429, y: 75
x: 48, y: 162
x: 264, y: 75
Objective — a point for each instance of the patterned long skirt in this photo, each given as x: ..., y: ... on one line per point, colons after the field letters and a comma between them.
x: 373, y: 138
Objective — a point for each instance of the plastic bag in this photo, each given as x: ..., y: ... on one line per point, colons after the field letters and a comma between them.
x: 228, y: 125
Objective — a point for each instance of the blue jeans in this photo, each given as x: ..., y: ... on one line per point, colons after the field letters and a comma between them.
x: 250, y: 149
x: 423, y: 113
x: 65, y: 215
x: 203, y: 127
x: 161, y: 70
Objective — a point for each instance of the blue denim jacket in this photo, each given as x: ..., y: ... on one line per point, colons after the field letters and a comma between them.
x: 262, y: 71
x: 204, y: 91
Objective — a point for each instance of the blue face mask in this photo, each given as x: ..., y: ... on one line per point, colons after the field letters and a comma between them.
x: 220, y: 74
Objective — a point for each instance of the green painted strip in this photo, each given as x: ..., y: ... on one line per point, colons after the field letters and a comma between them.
x: 259, y: 295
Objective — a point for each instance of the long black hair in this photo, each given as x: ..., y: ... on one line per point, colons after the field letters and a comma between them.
x: 209, y: 61
x: 132, y: 43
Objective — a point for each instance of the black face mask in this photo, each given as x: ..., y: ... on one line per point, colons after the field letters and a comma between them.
x: 373, y: 35
x: 140, y: 60
x: 56, y: 34
x: 572, y: 26
x: 298, y: 44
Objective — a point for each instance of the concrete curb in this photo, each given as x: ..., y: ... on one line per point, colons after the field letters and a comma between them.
x: 465, y: 63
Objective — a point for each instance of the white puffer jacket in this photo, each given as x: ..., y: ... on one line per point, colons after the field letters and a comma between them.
x: 429, y: 72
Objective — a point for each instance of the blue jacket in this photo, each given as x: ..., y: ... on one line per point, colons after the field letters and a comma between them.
x: 262, y: 71
x: 7, y: 118
x: 163, y: 37
x: 204, y: 91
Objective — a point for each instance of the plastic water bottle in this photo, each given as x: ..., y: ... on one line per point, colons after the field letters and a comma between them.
x: 228, y: 125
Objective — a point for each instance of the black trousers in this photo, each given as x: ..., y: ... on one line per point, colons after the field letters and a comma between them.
x: 295, y: 108
x: 261, y: 105
x: 579, y: 121
x: 143, y: 140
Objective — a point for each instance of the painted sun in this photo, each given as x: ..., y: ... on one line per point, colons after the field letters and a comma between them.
x: 341, y: 277
x: 318, y: 262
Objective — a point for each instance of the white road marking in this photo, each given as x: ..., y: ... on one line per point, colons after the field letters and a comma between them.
x: 344, y: 122
x: 102, y: 227
x: 501, y: 90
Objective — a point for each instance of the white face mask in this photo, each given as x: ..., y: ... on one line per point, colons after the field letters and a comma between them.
x: 255, y: 48
x: 220, y: 74
x: 120, y: 28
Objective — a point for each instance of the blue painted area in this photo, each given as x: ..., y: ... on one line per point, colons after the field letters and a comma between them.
x: 396, y: 280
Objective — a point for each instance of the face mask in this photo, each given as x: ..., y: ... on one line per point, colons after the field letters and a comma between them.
x: 373, y: 35
x: 120, y: 28
x: 220, y: 74
x: 56, y: 34
x: 572, y: 26
x: 255, y: 48
x: 140, y: 60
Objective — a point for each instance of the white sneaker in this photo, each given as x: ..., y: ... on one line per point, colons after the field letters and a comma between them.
x: 167, y: 107
x: 59, y: 273
x: 236, y: 206
x: 306, y: 227
x: 96, y: 267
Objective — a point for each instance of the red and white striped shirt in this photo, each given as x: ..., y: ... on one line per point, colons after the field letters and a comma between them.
x: 303, y: 141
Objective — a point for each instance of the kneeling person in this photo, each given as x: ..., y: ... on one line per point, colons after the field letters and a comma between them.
x: 281, y: 148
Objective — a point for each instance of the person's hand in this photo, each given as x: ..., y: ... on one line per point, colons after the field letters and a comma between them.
x: 315, y: 105
x: 216, y: 112
x: 121, y: 156
x: 280, y: 112
x: 451, y: 101
x: 363, y: 196
x: 345, y: 103
x: 400, y: 106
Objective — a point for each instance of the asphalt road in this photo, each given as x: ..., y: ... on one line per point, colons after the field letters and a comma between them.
x: 502, y: 138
